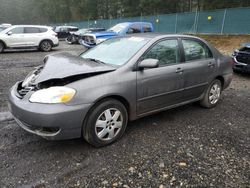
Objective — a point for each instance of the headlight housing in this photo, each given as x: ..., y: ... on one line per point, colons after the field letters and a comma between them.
x: 53, y: 95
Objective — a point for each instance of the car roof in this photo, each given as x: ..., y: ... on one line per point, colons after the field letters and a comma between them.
x: 31, y: 26
x: 135, y: 23
x: 68, y: 26
x: 161, y: 35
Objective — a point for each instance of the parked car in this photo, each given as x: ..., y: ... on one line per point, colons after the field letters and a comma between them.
x: 64, y: 31
x: 28, y: 36
x: 89, y: 40
x: 94, y: 95
x: 241, y: 59
x: 76, y: 36
x: 4, y: 26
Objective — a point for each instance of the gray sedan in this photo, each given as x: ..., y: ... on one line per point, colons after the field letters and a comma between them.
x: 95, y: 94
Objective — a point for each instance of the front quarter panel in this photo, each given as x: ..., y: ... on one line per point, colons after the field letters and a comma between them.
x: 117, y: 83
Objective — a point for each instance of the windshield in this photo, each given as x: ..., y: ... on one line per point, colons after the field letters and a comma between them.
x: 116, y: 51
x: 119, y: 27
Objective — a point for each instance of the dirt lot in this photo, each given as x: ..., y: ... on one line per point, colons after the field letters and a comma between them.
x: 188, y: 146
x: 226, y: 43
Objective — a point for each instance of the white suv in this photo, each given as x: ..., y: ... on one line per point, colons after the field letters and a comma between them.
x: 28, y: 36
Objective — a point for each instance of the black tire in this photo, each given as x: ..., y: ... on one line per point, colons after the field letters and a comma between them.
x: 69, y: 39
x: 1, y: 47
x: 236, y: 71
x: 45, y: 46
x: 91, y: 130
x: 206, y: 101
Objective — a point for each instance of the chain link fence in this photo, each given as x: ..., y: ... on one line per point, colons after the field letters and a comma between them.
x: 226, y: 21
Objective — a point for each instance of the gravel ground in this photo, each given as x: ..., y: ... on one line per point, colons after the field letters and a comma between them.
x: 183, y: 147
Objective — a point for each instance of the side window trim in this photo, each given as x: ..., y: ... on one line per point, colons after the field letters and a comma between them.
x: 158, y: 41
x: 197, y: 40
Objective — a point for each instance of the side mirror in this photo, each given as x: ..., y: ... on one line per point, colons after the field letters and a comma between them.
x: 148, y: 64
x: 9, y: 33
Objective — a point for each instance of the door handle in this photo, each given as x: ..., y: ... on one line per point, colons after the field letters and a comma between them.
x: 179, y: 70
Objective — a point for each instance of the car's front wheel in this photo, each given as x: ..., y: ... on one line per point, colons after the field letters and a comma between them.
x: 212, y: 95
x: 106, y: 123
x: 1, y: 47
x: 69, y: 39
x: 45, y: 46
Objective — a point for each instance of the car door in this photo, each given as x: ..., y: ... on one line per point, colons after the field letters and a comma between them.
x: 32, y: 36
x: 15, y: 37
x: 160, y: 87
x: 199, y: 67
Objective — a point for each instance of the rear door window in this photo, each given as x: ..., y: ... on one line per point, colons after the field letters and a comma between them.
x: 195, y: 50
x: 31, y: 30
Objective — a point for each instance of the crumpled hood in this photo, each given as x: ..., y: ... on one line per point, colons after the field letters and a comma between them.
x: 64, y: 65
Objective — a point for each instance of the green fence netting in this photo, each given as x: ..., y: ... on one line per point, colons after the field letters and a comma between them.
x: 226, y: 21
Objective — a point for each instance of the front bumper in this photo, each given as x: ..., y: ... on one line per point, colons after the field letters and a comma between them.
x: 242, y: 67
x: 50, y: 121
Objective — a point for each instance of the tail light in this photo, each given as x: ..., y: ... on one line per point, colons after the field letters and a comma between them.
x: 54, y: 34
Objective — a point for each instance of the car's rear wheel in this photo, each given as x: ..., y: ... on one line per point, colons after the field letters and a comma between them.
x: 69, y: 39
x: 1, y: 47
x: 106, y: 123
x: 45, y: 46
x: 212, y: 95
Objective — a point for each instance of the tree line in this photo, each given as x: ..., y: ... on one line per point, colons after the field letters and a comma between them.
x: 59, y: 11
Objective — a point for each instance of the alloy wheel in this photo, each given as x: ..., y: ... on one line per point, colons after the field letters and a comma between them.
x: 109, y: 124
x: 46, y: 46
x: 214, y: 94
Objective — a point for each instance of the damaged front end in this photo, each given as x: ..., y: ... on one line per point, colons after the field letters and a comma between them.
x: 59, y: 70
x: 41, y: 104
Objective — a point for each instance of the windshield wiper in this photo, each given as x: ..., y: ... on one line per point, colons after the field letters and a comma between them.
x: 95, y: 60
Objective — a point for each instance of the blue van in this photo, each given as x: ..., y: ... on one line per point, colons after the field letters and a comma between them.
x: 89, y: 40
